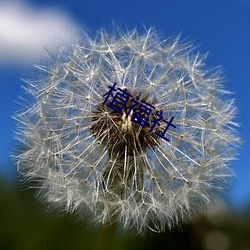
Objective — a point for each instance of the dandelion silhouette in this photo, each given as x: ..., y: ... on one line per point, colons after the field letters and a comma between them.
x: 90, y: 159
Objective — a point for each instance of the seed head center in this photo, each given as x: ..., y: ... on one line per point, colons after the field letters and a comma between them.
x: 126, y: 123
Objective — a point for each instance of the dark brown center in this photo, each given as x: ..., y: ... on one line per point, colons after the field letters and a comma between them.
x: 116, y: 132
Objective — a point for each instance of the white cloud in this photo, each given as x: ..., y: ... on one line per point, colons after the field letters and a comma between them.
x: 25, y: 31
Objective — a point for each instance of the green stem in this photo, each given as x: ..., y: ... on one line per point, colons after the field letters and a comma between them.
x: 105, y: 236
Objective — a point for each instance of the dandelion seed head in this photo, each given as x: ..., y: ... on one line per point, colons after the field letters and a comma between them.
x: 90, y: 159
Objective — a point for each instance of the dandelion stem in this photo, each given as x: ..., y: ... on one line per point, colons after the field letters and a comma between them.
x: 105, y: 236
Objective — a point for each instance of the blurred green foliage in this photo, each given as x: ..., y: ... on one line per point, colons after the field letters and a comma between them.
x: 25, y: 225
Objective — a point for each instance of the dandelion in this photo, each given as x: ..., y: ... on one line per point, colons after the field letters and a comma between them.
x: 90, y: 159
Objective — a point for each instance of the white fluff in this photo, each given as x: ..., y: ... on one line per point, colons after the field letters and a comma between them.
x: 170, y: 181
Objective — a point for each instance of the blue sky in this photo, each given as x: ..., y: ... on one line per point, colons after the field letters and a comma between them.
x: 221, y: 27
